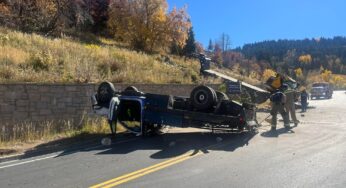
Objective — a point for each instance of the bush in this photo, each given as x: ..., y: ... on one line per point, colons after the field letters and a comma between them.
x: 41, y: 61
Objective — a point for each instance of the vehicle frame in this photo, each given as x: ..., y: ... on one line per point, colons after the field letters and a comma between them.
x: 146, y: 113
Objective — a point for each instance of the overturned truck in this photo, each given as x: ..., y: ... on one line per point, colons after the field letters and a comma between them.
x: 146, y: 113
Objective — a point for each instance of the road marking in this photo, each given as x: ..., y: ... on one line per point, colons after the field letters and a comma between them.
x: 52, y: 156
x: 30, y: 161
x: 142, y: 172
x: 6, y: 162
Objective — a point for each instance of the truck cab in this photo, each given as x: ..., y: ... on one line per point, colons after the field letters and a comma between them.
x: 321, y: 89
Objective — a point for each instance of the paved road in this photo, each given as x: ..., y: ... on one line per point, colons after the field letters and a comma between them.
x: 310, y: 155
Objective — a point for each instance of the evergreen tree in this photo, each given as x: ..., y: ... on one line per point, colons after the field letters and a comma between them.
x: 210, y: 46
x: 190, y: 46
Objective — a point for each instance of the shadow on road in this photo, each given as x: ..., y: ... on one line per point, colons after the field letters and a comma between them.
x: 64, y: 144
x: 167, y: 145
x: 175, y: 144
x: 278, y: 132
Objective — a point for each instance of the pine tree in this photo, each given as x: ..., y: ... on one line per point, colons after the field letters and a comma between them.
x: 210, y: 46
x: 190, y: 46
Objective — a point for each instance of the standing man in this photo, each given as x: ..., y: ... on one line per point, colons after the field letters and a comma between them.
x: 291, y: 97
x: 304, y: 96
x: 278, y: 100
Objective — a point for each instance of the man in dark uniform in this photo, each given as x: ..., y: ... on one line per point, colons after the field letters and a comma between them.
x: 278, y: 100
x: 304, y: 96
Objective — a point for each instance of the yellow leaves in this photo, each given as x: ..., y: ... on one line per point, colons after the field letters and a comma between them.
x: 92, y: 47
x: 161, y: 16
x: 146, y: 25
x: 298, y: 72
x: 268, y: 73
x: 337, y: 79
x: 326, y: 75
x: 253, y: 75
x: 305, y: 59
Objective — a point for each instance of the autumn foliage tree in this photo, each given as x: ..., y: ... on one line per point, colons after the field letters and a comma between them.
x: 44, y: 16
x: 147, y: 25
x: 30, y: 15
x: 217, y: 56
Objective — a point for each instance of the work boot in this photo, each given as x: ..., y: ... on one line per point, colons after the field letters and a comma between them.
x: 273, y: 128
x: 296, y: 123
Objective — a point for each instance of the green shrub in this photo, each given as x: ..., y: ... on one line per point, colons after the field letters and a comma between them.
x: 41, y: 61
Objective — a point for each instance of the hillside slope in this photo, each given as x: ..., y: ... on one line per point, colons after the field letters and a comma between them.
x: 34, y: 58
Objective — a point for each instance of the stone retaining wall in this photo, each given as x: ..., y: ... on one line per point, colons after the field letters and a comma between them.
x: 62, y: 102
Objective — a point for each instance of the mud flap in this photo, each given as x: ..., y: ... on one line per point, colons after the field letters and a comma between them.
x: 113, y: 114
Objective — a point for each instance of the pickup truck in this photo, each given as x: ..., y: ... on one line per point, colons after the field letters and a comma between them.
x: 321, y: 89
x: 146, y: 113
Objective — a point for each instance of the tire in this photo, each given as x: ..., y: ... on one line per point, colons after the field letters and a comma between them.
x: 221, y: 96
x: 105, y: 93
x: 132, y: 91
x: 131, y: 88
x: 203, y: 97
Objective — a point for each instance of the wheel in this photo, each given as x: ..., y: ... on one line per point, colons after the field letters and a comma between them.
x: 221, y: 96
x: 132, y: 91
x: 105, y: 93
x: 131, y: 88
x: 203, y: 97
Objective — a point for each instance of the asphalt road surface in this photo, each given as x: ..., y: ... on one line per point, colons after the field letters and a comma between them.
x: 310, y: 155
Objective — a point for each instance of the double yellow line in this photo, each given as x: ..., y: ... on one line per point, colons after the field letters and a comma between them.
x: 139, y: 173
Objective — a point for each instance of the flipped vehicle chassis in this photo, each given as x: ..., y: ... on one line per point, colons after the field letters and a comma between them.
x: 146, y: 113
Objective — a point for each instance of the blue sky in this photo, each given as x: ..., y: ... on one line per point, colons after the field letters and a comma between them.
x: 248, y: 21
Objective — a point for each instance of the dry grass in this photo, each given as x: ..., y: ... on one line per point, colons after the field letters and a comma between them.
x: 18, y: 134
x: 33, y: 58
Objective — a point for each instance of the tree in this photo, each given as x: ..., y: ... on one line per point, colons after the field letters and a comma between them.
x: 217, y: 56
x: 190, y: 46
x: 267, y: 74
x: 210, y: 46
x: 305, y: 59
x: 42, y: 16
x: 99, y: 14
x: 199, y: 47
x: 146, y: 25
x: 298, y: 73
x: 326, y: 75
x: 225, y: 42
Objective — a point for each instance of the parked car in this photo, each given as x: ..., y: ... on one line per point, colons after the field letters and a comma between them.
x: 322, y: 89
x: 145, y: 113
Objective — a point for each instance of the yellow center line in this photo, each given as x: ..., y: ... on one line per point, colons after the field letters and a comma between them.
x: 139, y: 173
x: 142, y: 172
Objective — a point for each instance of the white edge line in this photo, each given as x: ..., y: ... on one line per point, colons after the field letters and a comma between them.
x: 52, y: 156
x: 25, y: 162
x: 6, y: 162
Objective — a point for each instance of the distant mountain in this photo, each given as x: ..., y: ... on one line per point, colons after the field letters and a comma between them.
x: 318, y: 48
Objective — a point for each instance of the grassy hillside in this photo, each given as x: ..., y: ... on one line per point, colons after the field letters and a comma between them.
x: 34, y: 58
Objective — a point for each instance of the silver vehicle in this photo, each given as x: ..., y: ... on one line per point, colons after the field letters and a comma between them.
x: 322, y: 89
